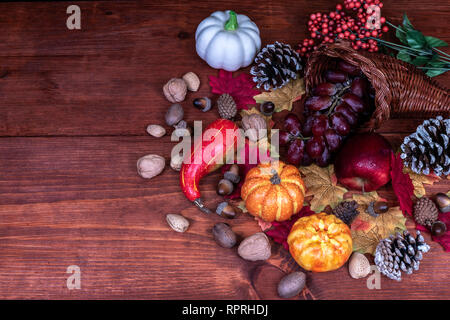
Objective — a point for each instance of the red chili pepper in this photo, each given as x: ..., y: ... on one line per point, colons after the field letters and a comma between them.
x: 218, y: 149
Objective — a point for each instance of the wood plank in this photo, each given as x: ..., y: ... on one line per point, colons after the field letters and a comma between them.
x: 107, y: 78
x: 78, y: 201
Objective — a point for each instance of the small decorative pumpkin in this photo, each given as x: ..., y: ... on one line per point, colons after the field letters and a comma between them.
x: 320, y: 242
x: 273, y: 191
x: 226, y: 40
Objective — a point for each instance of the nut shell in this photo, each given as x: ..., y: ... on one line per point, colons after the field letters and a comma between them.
x: 177, y: 222
x: 359, y: 266
x: 256, y: 247
x: 150, y: 165
x: 320, y: 242
x: 175, y: 90
x: 192, y: 81
x: 174, y: 114
x: 291, y: 285
x: 156, y: 130
x: 224, y: 236
x: 255, y: 126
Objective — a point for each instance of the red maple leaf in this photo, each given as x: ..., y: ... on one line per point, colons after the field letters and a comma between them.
x: 240, y: 87
x: 280, y: 230
x: 443, y: 240
x: 402, y: 184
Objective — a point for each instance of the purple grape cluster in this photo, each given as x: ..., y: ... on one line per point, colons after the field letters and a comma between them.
x: 335, y: 108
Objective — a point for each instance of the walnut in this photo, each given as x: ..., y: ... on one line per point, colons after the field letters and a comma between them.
x: 192, y: 81
x: 175, y: 90
x: 255, y: 126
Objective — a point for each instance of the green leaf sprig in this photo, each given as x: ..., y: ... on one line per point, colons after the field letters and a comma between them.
x: 418, y: 49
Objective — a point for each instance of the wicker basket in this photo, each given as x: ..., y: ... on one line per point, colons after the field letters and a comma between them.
x: 401, y: 90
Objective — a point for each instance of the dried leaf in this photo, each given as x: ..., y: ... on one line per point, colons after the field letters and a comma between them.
x: 283, y: 97
x: 321, y: 183
x: 418, y: 181
x: 264, y: 225
x: 240, y: 87
x: 280, y: 230
x: 402, y: 184
x: 368, y: 231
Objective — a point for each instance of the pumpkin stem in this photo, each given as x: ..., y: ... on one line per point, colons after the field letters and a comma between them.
x: 231, y: 23
x: 275, y: 179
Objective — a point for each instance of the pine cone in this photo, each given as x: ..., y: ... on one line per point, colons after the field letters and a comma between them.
x: 425, y: 212
x: 275, y: 65
x: 227, y: 106
x: 400, y: 253
x: 346, y: 211
x: 428, y: 149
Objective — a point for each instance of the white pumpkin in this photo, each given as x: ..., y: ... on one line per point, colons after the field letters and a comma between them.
x: 226, y: 40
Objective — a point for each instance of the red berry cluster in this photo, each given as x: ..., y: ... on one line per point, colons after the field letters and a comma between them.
x: 327, y: 28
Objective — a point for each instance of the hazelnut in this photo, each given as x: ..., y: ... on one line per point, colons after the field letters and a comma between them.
x: 223, y: 235
x: 226, y: 210
x: 291, y: 285
x: 255, y: 126
x: 177, y: 222
x: 156, y: 130
x: 203, y: 104
x: 150, y: 166
x: 359, y: 266
x: 174, y: 114
x: 224, y: 187
x: 192, y: 81
x: 175, y: 90
x: 256, y: 247
x: 233, y: 174
x: 443, y: 202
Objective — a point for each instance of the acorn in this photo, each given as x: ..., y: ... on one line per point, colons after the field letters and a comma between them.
x: 443, y: 202
x: 233, y: 174
x: 376, y: 208
x: 438, y: 228
x: 203, y: 104
x: 224, y: 187
x: 226, y: 210
x: 267, y: 108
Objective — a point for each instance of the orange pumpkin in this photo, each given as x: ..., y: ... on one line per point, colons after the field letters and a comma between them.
x: 320, y: 242
x: 273, y: 191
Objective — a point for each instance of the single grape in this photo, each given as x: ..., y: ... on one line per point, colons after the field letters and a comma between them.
x: 306, y: 160
x: 320, y: 124
x: 347, y: 112
x: 324, y: 159
x: 333, y: 139
x: 317, y: 103
x: 335, y: 76
x: 315, y: 146
x: 307, y: 126
x: 359, y: 87
x: 285, y: 137
x: 348, y: 68
x: 295, y: 152
x: 292, y: 124
x: 339, y: 123
x: 355, y: 102
x: 325, y: 89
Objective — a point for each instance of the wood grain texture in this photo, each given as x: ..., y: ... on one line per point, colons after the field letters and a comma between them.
x: 73, y: 110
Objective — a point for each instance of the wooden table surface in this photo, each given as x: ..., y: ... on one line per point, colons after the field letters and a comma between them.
x: 74, y: 105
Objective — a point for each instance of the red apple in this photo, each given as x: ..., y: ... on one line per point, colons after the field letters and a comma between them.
x: 364, y: 162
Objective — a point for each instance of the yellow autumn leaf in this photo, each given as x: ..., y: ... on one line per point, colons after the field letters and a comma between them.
x: 368, y: 231
x: 321, y: 183
x: 418, y: 181
x: 283, y: 97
